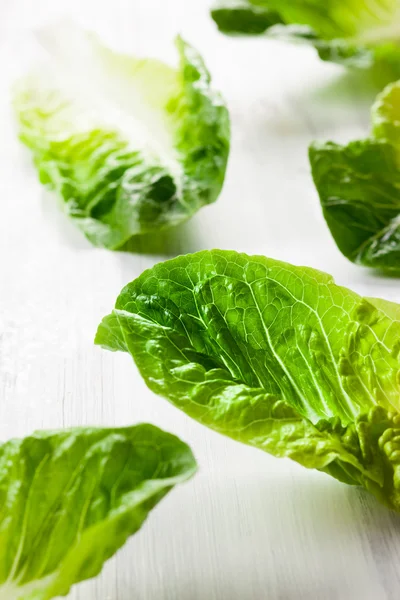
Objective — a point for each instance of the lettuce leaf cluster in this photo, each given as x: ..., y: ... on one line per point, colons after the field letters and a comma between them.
x: 272, y: 355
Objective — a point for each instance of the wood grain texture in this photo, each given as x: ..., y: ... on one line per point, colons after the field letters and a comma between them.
x: 248, y: 527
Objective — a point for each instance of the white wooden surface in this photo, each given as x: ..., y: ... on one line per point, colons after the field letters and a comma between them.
x: 248, y: 527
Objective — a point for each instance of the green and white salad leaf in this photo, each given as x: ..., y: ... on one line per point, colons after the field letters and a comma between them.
x: 359, y: 33
x: 276, y: 356
x: 131, y: 145
x: 359, y: 188
x: 70, y: 499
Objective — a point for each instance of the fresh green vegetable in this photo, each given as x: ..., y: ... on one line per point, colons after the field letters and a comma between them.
x: 358, y: 33
x: 244, y: 17
x: 359, y: 188
x: 132, y: 146
x: 70, y: 499
x: 272, y: 355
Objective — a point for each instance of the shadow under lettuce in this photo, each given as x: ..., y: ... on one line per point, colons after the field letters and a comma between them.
x: 351, y: 85
x: 170, y: 242
x: 264, y: 535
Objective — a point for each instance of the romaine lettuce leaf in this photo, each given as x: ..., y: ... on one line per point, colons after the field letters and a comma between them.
x: 244, y: 17
x: 70, y: 499
x: 272, y: 355
x: 132, y: 146
x: 356, y: 33
x: 359, y: 188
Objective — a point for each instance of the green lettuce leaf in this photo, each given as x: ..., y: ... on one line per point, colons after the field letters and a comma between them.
x: 359, y: 188
x: 351, y: 32
x: 70, y: 499
x: 272, y: 355
x: 244, y: 17
x: 132, y: 146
